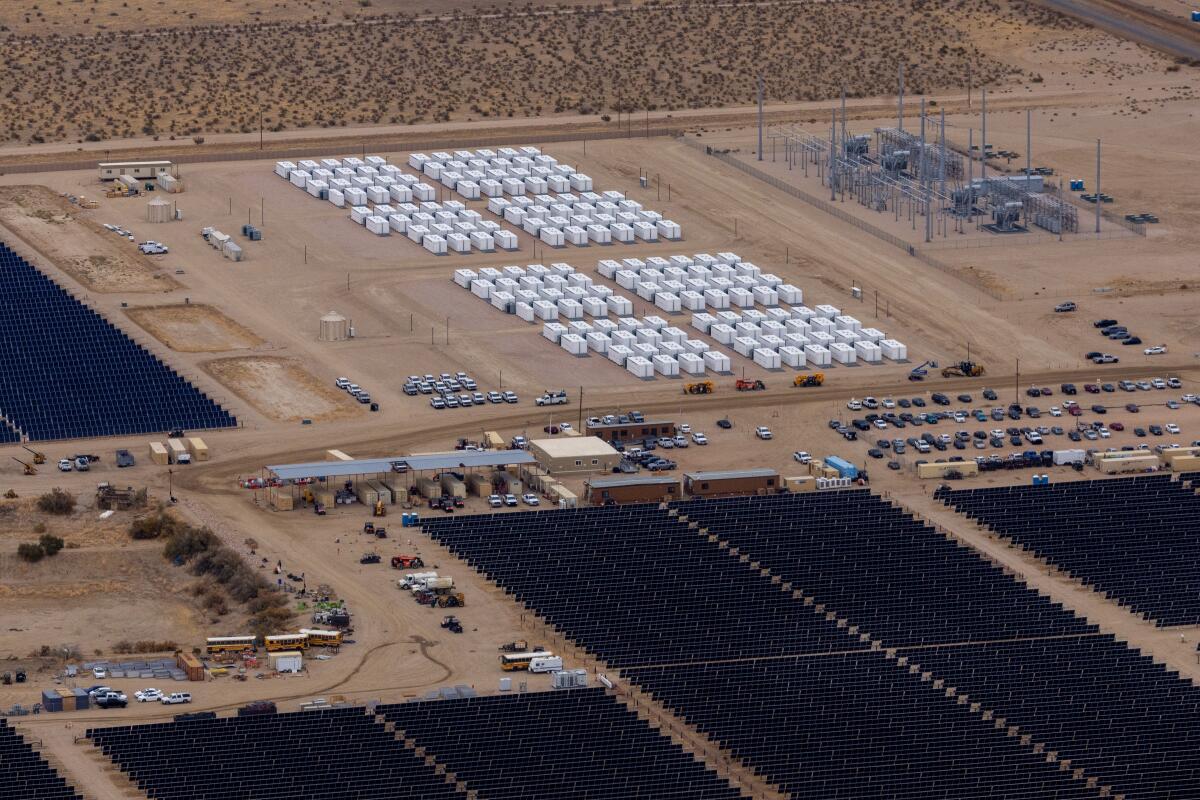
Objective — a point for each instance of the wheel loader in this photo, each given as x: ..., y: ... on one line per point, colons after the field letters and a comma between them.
x: 815, y: 379
x: 700, y: 387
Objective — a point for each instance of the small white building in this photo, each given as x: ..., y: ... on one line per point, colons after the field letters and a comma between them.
x: 286, y: 661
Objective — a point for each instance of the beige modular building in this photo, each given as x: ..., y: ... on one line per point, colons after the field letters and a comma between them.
x: 576, y: 454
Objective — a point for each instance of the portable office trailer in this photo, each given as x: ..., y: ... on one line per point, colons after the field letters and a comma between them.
x: 158, y: 454
x: 149, y: 170
x: 614, y: 490
x: 731, y: 482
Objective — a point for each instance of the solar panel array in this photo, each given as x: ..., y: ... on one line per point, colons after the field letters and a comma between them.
x: 66, y: 372
x: 1134, y: 539
x: 565, y: 745
x: 573, y: 744
x: 25, y: 774
x: 842, y: 649
x: 311, y: 755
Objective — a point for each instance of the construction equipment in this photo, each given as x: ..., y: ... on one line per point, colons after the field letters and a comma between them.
x: 369, y: 558
x: 519, y: 646
x: 815, y: 379
x: 407, y: 562
x: 919, y: 372
x: 110, y: 497
x: 452, y: 624
x: 38, y: 456
x: 30, y: 469
x: 744, y: 385
x: 700, y: 387
x: 963, y: 369
x: 380, y: 509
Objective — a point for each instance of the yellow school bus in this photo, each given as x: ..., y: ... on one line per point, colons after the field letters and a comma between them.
x: 228, y: 644
x: 319, y: 638
x: 514, y: 661
x: 286, y: 641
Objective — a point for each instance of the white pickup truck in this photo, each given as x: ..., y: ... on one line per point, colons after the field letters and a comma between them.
x: 558, y: 398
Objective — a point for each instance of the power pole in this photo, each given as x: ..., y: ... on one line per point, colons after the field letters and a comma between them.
x: 900, y: 104
x: 1097, y: 186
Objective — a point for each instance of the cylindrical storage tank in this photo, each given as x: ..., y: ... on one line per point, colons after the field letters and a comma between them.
x: 717, y: 361
x: 792, y: 356
x: 333, y: 327
x: 767, y: 359
x: 843, y: 353
x: 159, y: 210
x: 639, y: 367
x: 818, y: 355
x: 893, y: 349
x: 666, y: 366
x: 868, y: 351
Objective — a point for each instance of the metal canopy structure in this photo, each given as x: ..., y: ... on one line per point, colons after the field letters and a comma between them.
x: 458, y: 459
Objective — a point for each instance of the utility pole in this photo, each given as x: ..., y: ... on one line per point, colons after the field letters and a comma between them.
x: 983, y: 144
x: 900, y: 105
x: 1028, y: 144
x: 1097, y: 186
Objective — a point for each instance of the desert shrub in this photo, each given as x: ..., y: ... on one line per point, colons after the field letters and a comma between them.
x: 31, y: 552
x: 39, y: 528
x: 56, y: 501
x: 185, y: 542
x: 10, y: 495
x: 51, y: 544
x: 216, y: 604
x: 270, y: 620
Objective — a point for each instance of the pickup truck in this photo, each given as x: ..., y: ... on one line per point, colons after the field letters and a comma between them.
x: 109, y: 700
x: 175, y: 698
x: 558, y: 398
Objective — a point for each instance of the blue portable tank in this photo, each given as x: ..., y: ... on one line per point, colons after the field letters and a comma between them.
x: 844, y: 468
x: 1196, y: 16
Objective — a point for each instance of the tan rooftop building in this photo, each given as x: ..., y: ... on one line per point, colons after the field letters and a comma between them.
x: 574, y: 454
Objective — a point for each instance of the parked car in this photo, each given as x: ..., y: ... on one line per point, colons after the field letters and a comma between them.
x: 530, y: 499
x: 109, y: 700
x: 510, y: 500
x: 495, y: 501
x: 175, y: 698
x: 65, y: 465
x: 1157, y: 350
x: 1171, y: 428
x: 1063, y: 308
x: 150, y: 695
x: 99, y: 673
x: 724, y: 424
x: 699, y: 438
x: 510, y: 397
x: 762, y: 432
x: 801, y: 457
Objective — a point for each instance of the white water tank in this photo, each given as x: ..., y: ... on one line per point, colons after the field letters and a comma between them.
x: 334, y: 327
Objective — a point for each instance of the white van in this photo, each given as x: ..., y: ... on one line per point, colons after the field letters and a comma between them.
x: 546, y: 664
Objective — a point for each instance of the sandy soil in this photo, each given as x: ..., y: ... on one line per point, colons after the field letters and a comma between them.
x: 280, y: 388
x: 194, y: 328
x: 646, y: 58
x: 102, y: 588
x: 68, y: 236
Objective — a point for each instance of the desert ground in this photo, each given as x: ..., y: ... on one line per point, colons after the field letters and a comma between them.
x: 247, y: 333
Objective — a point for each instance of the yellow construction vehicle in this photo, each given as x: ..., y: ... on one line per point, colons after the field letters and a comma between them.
x: 747, y: 385
x: 963, y: 369
x: 700, y: 387
x: 30, y: 469
x: 380, y: 509
x: 38, y: 457
x: 815, y: 379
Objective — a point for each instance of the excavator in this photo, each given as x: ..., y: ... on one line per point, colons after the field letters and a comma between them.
x: 700, y: 387
x: 745, y: 385
x: 963, y: 369
x: 919, y: 372
x: 38, y: 456
x: 815, y: 379
x: 30, y: 469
